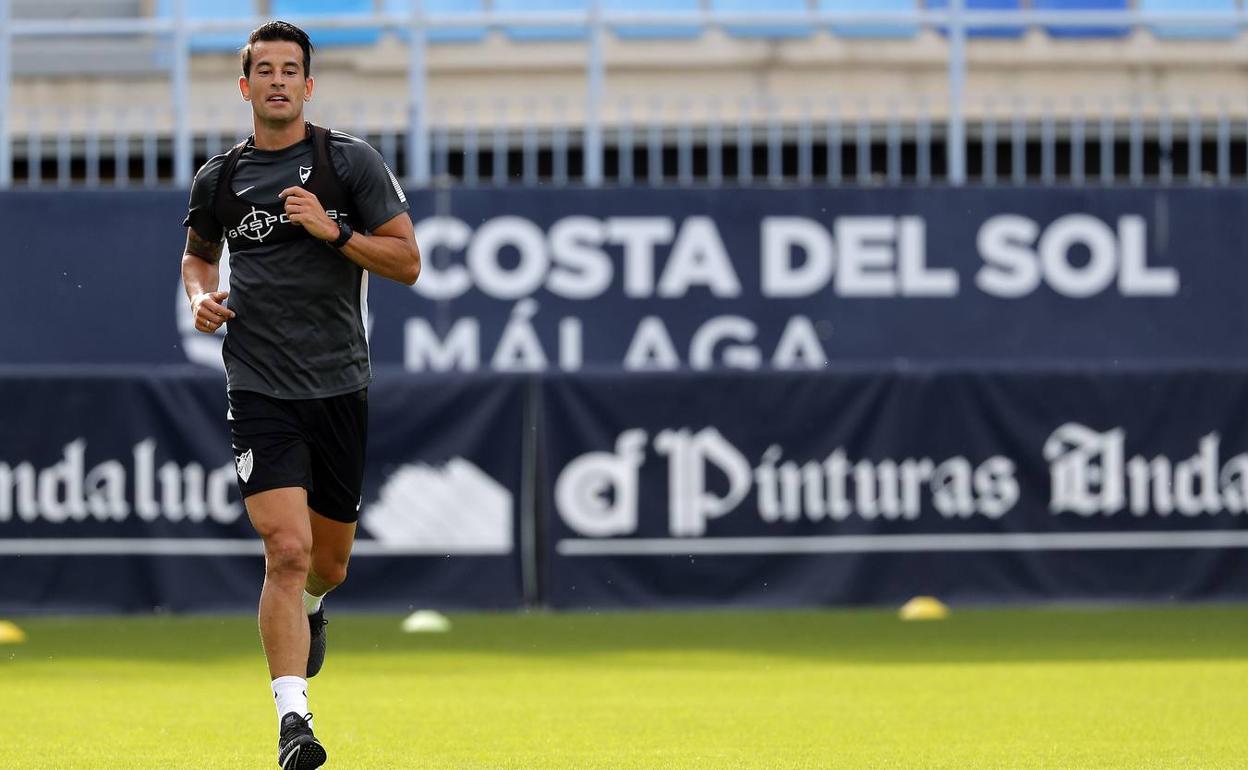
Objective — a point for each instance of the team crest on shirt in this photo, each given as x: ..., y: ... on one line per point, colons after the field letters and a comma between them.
x: 245, y: 463
x: 304, y: 173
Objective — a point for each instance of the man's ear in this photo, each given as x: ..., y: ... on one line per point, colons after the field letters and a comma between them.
x: 244, y: 88
x: 309, y: 84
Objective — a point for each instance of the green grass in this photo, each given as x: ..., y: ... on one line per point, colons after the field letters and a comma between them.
x: 1136, y: 688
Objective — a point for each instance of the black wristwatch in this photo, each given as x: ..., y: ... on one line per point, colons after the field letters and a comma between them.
x: 344, y: 234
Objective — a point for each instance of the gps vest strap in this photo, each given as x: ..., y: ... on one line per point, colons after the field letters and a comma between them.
x: 249, y: 225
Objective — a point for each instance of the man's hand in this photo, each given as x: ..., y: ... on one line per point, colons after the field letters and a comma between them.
x: 303, y: 209
x: 209, y: 312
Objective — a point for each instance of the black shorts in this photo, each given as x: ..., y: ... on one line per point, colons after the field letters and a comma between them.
x: 317, y: 444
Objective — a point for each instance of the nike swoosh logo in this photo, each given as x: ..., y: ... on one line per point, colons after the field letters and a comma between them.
x: 245, y: 189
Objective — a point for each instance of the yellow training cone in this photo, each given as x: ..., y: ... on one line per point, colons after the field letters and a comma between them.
x: 924, y: 608
x: 10, y: 633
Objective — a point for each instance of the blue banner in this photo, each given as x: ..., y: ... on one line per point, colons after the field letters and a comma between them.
x: 875, y: 486
x: 657, y: 279
x: 118, y: 492
x: 766, y: 396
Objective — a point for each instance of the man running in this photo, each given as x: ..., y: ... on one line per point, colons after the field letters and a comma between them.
x: 308, y: 213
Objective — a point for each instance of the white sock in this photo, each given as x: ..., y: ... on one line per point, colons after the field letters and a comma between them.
x: 291, y: 694
x: 311, y: 603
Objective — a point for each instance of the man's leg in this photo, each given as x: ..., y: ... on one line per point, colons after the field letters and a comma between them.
x: 331, y: 550
x: 337, y: 440
x: 280, y: 517
x: 274, y: 470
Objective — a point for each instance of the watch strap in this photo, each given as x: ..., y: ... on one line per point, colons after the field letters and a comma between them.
x: 344, y: 234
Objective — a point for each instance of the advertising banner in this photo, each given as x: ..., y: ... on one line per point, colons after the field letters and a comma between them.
x: 667, y: 279
x: 118, y: 492
x: 875, y: 486
x: 763, y: 396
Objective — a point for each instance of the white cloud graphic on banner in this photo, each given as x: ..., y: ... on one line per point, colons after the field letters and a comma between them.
x: 456, y: 508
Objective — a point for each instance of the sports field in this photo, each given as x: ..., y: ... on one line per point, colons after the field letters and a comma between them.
x: 1133, y: 688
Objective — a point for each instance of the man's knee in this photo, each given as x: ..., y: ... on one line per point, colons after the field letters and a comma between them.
x: 331, y: 573
x: 286, y: 554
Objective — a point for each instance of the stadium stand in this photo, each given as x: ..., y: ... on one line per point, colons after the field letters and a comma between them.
x: 112, y: 55
x: 211, y: 42
x: 984, y: 5
x: 310, y: 9
x: 67, y: 9
x: 538, y: 33
x: 444, y: 8
x: 764, y: 6
x: 509, y: 96
x: 1188, y: 31
x: 652, y: 32
x: 1083, y: 5
x: 870, y: 30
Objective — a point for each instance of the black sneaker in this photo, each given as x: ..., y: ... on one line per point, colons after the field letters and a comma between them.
x: 316, y: 645
x: 297, y: 747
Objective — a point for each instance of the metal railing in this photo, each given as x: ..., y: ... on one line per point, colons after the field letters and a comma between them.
x: 814, y: 140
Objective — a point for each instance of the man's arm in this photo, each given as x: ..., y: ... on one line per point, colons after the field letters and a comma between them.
x: 200, y: 276
x: 390, y: 251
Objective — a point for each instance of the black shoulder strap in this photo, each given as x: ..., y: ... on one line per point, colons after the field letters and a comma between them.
x: 320, y: 144
x: 227, y: 170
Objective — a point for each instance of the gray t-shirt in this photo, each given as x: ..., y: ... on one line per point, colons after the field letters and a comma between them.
x: 301, y: 305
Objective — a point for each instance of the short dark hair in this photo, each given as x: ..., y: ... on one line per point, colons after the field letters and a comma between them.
x: 278, y: 30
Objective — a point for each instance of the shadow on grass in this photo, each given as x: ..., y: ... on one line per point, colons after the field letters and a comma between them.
x: 1016, y: 635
